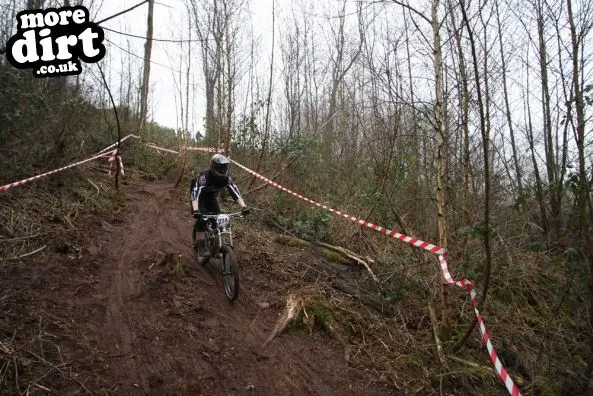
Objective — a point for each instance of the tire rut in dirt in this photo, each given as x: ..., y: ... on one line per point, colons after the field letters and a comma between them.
x: 166, y: 335
x: 121, y: 278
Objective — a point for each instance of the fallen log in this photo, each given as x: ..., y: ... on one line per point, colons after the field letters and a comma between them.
x: 346, y: 252
x: 376, y: 303
x: 333, y: 253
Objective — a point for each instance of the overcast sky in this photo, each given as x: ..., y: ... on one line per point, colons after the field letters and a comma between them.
x: 170, y: 22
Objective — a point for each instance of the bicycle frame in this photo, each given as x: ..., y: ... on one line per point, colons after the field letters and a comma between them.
x: 219, y: 226
x: 219, y: 240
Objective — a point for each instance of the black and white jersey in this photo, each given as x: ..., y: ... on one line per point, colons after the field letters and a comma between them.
x: 205, y: 187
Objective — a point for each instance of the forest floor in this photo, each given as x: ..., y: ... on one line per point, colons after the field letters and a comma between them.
x: 103, y: 315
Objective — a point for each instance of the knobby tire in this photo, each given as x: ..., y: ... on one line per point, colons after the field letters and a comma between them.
x: 230, y: 272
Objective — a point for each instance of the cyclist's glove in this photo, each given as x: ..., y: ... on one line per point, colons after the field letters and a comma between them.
x: 197, y: 215
x: 245, y: 211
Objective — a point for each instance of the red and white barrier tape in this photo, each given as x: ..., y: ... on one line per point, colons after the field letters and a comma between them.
x: 30, y: 179
x: 115, y: 144
x: 434, y: 249
x: 471, y: 289
x: 115, y: 156
x: 205, y: 149
x: 112, y: 157
x: 188, y: 148
x: 157, y: 148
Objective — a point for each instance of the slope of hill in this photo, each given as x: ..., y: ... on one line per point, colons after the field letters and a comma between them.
x: 105, y: 316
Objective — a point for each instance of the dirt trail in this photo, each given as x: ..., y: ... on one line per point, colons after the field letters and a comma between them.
x: 158, y: 335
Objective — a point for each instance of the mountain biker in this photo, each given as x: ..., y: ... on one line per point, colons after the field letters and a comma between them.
x: 204, y: 196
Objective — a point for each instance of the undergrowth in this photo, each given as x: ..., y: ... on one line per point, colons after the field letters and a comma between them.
x: 534, y: 312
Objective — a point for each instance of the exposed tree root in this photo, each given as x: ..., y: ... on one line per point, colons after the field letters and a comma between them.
x: 310, y: 312
x: 295, y: 304
x: 173, y: 264
x: 333, y: 253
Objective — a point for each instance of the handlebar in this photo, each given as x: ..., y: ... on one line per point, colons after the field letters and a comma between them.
x: 236, y: 214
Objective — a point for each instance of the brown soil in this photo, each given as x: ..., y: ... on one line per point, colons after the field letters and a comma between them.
x: 107, y: 318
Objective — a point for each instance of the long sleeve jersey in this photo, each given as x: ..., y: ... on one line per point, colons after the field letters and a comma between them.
x: 206, y: 187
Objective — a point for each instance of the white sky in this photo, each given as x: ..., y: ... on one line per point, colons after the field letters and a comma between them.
x: 170, y: 22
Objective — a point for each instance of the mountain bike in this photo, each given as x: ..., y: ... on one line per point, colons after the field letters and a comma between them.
x: 219, y: 241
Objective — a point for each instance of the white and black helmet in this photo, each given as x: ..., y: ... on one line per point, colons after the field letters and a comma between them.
x: 219, y: 165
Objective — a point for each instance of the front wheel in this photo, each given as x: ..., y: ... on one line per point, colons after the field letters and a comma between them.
x: 199, y: 259
x: 230, y: 272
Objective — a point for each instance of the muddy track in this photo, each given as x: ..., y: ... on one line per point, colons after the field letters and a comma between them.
x: 157, y: 334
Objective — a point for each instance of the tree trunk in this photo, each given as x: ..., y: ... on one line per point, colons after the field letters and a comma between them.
x: 467, y: 174
x: 441, y: 163
x: 538, y: 181
x: 548, y: 138
x: 229, y: 84
x: 486, y: 158
x: 146, y: 73
x: 507, y: 104
x: 583, y: 185
x: 185, y: 123
x: 269, y: 98
x: 209, y: 109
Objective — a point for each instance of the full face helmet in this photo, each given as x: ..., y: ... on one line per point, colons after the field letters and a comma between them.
x: 219, y: 165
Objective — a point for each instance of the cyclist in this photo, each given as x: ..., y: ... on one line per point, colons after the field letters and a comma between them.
x: 204, y: 196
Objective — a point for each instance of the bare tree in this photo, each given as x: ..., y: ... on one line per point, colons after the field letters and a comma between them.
x: 464, y: 100
x: 577, y: 38
x: 441, y: 151
x: 268, y: 102
x: 484, y: 127
x: 185, y: 121
x: 507, y: 105
x: 216, y: 24
x: 555, y: 201
x: 205, y: 15
x: 146, y: 72
x: 292, y: 54
x: 340, y: 67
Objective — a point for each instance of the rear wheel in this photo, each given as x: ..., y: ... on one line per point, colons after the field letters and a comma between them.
x: 230, y: 272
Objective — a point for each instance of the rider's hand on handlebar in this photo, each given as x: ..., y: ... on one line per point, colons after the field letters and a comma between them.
x: 245, y: 211
x: 197, y: 215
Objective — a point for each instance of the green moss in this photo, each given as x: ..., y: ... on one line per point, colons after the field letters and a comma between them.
x: 318, y: 314
x: 332, y: 256
x: 325, y: 316
x: 415, y: 365
x: 290, y: 241
x: 175, y: 265
x: 546, y: 386
x: 296, y: 242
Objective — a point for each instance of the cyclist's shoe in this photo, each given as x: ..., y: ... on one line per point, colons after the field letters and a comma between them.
x: 203, y: 250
